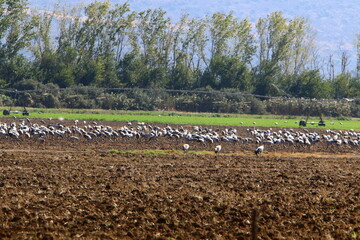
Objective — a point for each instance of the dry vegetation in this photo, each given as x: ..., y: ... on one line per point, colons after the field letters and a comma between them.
x: 79, y: 190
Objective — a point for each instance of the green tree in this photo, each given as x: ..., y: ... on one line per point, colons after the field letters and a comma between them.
x: 228, y: 72
x: 45, y: 62
x: 231, y: 49
x: 193, y: 46
x: 91, y: 36
x: 311, y: 84
x: 298, y: 55
x: 182, y: 77
x: 120, y: 28
x: 132, y: 70
x: 341, y: 86
x: 149, y: 44
x: 354, y: 87
x: 222, y: 30
x: 243, y: 42
x: 59, y: 62
x: 16, y: 33
x: 284, y: 48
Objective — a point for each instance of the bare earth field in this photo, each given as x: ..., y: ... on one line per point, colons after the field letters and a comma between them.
x: 80, y: 190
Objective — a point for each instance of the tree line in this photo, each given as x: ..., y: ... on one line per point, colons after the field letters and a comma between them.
x: 110, y: 45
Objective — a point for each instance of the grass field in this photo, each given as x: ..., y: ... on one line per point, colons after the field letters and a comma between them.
x: 188, y: 118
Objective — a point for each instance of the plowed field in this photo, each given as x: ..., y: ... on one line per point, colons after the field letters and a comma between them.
x: 81, y: 190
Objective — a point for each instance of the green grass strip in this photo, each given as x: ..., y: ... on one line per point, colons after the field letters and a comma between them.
x: 189, y: 118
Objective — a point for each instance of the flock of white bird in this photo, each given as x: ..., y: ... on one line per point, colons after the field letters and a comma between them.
x: 304, y: 136
x: 89, y: 132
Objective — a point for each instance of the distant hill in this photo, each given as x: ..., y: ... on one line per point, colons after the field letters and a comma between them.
x: 336, y: 22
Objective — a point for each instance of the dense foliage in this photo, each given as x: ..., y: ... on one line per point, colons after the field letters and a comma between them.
x: 104, y: 45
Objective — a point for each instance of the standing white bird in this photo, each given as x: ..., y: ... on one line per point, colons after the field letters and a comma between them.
x: 217, y: 150
x: 186, y: 147
x: 259, y: 150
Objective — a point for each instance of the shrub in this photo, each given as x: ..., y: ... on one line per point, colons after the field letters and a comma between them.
x: 342, y: 118
x: 28, y: 84
x: 257, y: 106
x: 78, y: 101
x: 6, y: 100
x: 50, y: 101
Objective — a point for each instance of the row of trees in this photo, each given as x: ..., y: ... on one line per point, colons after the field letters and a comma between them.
x: 105, y: 45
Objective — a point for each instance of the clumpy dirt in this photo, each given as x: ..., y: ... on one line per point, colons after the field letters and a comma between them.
x: 81, y: 190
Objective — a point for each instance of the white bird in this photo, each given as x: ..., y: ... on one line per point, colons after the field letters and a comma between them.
x: 186, y: 147
x: 74, y: 138
x: 259, y: 150
x: 217, y: 149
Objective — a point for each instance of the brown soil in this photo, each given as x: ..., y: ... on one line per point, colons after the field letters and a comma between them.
x: 79, y: 190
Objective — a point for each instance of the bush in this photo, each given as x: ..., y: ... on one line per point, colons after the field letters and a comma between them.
x: 342, y: 118
x: 6, y: 100
x: 28, y: 84
x: 78, y: 101
x: 142, y: 100
x: 50, y: 101
x: 114, y: 101
x: 25, y: 99
x: 355, y: 109
x: 257, y: 107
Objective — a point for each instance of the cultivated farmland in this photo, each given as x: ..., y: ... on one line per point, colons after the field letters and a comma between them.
x: 126, y: 187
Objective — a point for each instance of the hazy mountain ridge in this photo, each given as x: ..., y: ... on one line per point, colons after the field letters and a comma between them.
x: 336, y: 22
